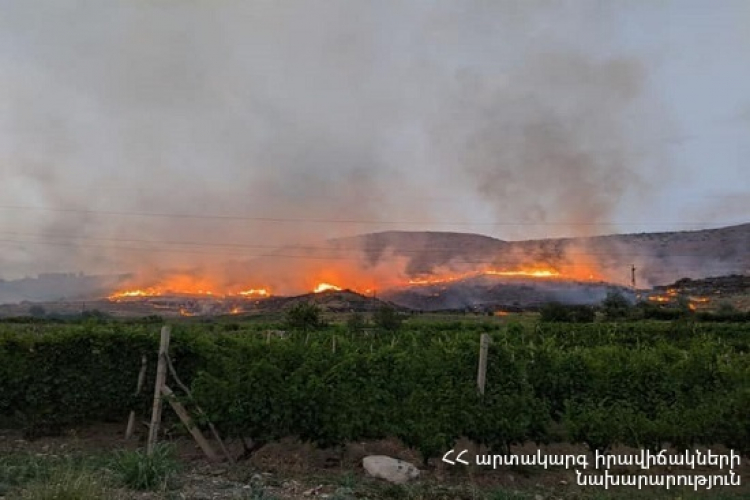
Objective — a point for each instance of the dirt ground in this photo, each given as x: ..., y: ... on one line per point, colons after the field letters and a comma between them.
x: 291, y: 470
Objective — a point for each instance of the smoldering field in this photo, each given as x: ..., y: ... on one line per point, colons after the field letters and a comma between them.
x: 229, y: 142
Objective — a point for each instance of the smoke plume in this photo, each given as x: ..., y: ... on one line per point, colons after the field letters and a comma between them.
x: 144, y: 136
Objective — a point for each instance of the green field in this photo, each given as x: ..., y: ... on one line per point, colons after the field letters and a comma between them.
x: 644, y: 385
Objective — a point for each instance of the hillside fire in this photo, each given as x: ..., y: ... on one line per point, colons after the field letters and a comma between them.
x: 323, y: 287
x: 188, y: 285
x: 532, y: 273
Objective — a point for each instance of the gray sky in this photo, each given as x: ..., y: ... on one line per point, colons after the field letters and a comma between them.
x: 279, y: 122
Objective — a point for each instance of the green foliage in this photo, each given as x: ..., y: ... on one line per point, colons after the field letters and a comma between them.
x: 387, y: 318
x: 139, y: 471
x: 645, y: 310
x: 643, y: 384
x: 304, y: 316
x: 555, y: 312
x: 356, y: 322
x: 78, y: 374
x: 616, y: 306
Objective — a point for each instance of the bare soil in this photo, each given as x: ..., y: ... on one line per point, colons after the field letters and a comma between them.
x: 292, y: 470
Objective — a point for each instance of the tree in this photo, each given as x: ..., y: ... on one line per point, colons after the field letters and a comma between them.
x: 555, y: 312
x: 683, y: 305
x: 304, y: 316
x: 387, y: 318
x: 726, y: 309
x: 616, y: 306
x: 356, y: 322
x: 37, y: 311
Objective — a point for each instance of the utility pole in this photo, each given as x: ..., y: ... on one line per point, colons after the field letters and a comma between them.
x: 632, y: 283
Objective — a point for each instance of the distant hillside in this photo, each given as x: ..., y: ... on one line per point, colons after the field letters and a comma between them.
x: 425, y: 250
x: 659, y: 258
x: 336, y: 301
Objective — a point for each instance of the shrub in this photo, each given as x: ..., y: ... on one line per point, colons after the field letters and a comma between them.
x: 615, y: 306
x: 304, y: 316
x: 139, y: 471
x: 555, y: 312
x: 356, y: 322
x: 387, y: 318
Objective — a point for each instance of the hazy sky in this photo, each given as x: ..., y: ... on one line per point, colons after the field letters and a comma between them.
x: 234, y: 126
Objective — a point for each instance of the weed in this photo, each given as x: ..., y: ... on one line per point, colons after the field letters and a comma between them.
x: 139, y: 471
x: 65, y: 484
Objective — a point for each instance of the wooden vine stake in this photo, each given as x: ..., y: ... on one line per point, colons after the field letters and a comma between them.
x: 161, y: 376
x: 484, y: 344
x: 188, y: 423
x: 139, y: 386
x: 200, y: 413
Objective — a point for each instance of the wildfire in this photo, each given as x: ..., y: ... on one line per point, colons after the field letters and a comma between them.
x: 324, y: 287
x: 540, y: 273
x: 135, y: 293
x: 158, y: 291
x: 659, y: 298
x: 672, y: 295
x: 256, y: 292
x: 318, y: 280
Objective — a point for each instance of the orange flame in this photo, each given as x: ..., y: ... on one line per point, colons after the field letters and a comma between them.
x: 353, y: 277
x: 541, y: 273
x: 659, y: 298
x: 149, y: 292
x: 256, y: 292
x: 184, y: 288
x: 323, y: 287
x: 537, y: 273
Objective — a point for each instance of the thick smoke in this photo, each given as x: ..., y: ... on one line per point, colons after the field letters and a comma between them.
x: 143, y: 136
x: 550, y: 143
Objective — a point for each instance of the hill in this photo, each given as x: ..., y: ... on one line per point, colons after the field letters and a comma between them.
x: 659, y: 258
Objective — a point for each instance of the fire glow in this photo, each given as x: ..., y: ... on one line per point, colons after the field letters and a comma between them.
x: 324, y: 287
x: 531, y: 273
x: 164, y: 290
x: 322, y: 280
x: 672, y: 295
x: 256, y: 292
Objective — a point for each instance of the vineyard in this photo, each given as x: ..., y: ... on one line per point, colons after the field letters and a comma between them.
x: 644, y: 385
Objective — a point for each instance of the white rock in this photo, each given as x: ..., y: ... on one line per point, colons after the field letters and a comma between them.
x: 391, y: 469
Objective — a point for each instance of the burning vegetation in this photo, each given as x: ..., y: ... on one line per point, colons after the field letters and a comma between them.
x: 418, y: 270
x: 188, y: 285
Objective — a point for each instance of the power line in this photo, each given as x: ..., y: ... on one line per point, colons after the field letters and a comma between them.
x: 341, y: 221
x: 549, y: 255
